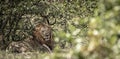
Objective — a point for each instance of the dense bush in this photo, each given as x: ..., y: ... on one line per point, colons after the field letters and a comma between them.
x: 84, y: 29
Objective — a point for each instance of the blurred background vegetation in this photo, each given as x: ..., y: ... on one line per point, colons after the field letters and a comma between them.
x: 84, y: 29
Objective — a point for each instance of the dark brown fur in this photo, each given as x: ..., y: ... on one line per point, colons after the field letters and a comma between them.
x: 43, y: 34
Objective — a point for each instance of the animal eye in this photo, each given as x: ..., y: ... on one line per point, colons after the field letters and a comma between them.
x: 42, y: 31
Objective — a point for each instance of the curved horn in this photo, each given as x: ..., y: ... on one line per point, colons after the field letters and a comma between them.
x: 51, y: 23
